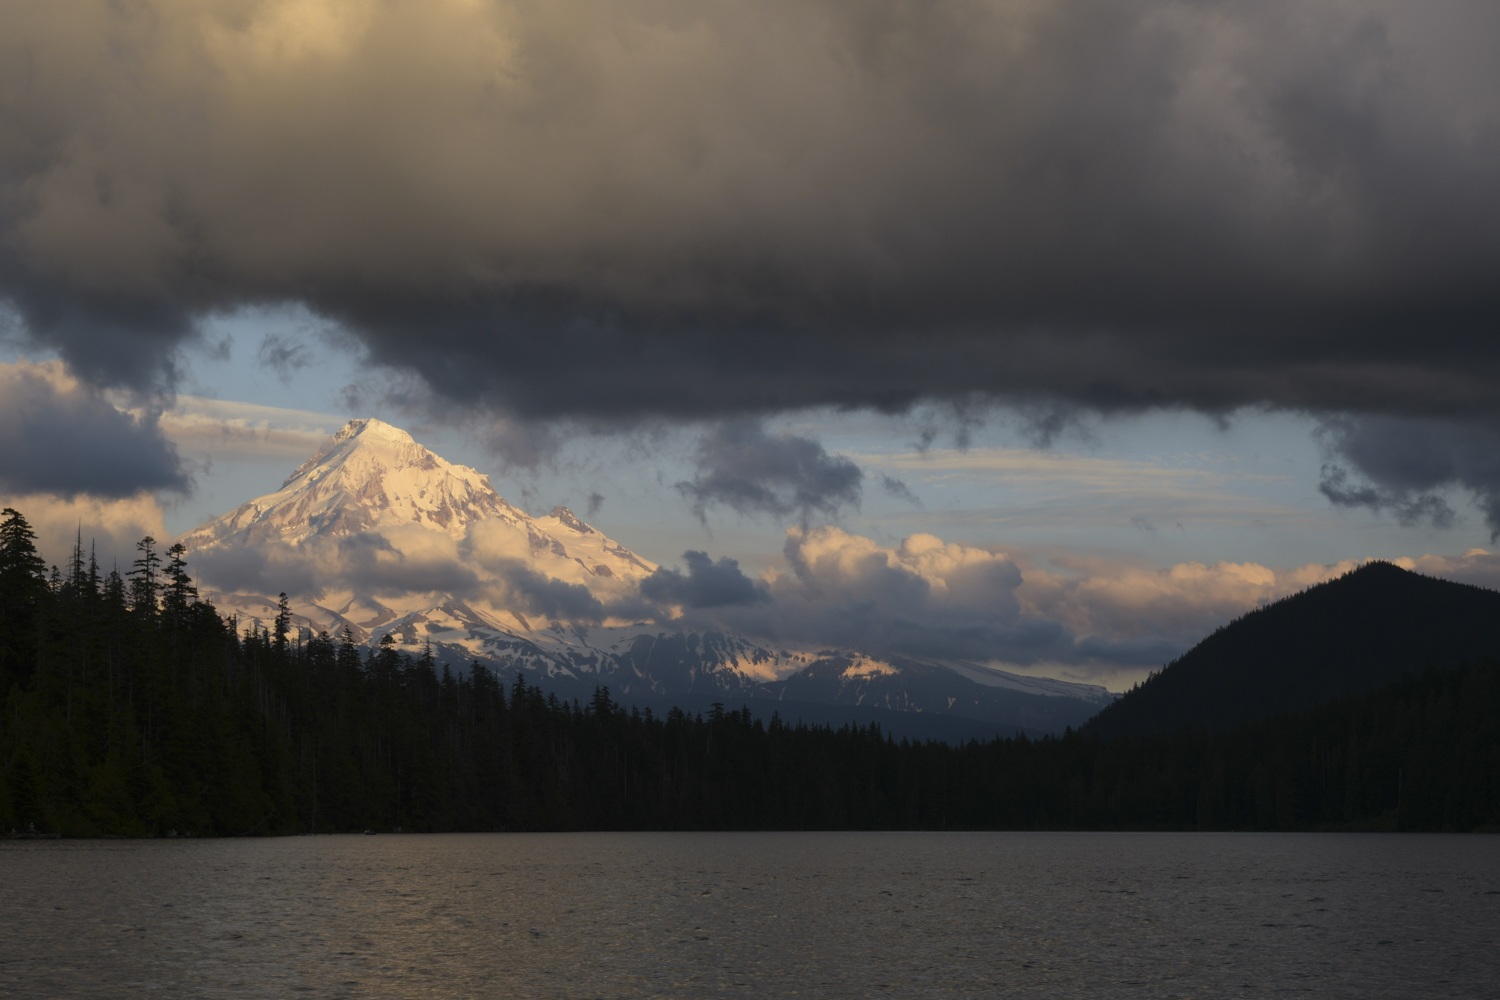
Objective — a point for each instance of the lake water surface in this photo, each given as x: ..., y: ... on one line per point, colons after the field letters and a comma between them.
x: 756, y: 914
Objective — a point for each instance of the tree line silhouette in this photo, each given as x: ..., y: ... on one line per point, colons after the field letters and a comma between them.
x: 1355, y: 633
x: 133, y: 708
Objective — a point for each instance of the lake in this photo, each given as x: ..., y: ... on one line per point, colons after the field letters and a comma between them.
x: 754, y: 915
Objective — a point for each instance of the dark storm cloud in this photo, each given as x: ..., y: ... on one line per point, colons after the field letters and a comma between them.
x: 60, y: 436
x: 898, y: 489
x: 111, y: 340
x: 258, y: 570
x: 1407, y: 507
x: 1404, y: 466
x: 742, y: 467
x: 283, y: 356
x: 625, y: 210
x: 367, y: 562
x: 364, y: 563
x: 554, y: 598
x: 708, y: 584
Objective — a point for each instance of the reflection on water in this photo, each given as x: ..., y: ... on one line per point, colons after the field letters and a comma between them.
x: 607, y: 915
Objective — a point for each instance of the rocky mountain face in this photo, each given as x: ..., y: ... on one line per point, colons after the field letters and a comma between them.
x: 372, y: 488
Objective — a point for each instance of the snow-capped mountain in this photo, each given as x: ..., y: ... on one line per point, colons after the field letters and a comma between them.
x: 371, y: 476
x: 378, y: 535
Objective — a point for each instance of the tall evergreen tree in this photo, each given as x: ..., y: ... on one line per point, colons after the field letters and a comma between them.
x: 282, y: 624
x: 144, y: 585
x: 94, y: 578
x: 22, y: 587
x: 179, y: 590
x: 77, y: 572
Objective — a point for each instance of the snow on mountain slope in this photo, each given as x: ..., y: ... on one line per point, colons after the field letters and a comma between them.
x: 374, y: 512
x: 1044, y: 686
x: 372, y: 476
x: 389, y: 538
x: 906, y: 685
x: 377, y: 535
x: 369, y: 475
x: 647, y: 661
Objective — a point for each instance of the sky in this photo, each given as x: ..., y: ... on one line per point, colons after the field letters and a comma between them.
x: 1109, y: 292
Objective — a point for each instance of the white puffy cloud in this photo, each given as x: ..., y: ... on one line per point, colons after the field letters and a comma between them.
x: 111, y: 527
x: 922, y: 574
x: 496, y: 564
x: 923, y: 597
x: 1477, y: 566
x: 1081, y: 617
x: 1125, y: 599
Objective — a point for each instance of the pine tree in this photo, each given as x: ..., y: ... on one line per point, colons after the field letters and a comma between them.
x: 18, y: 553
x: 348, y: 655
x: 282, y: 624
x: 77, y: 574
x: 93, y: 579
x: 143, y: 578
x: 387, y: 659
x: 179, y: 591
x: 114, y: 589
x: 22, y: 587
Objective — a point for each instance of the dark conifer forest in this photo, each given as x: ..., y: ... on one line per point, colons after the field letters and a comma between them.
x: 132, y: 708
x: 1345, y: 636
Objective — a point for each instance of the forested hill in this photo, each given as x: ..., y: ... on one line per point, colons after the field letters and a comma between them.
x: 130, y: 708
x: 1365, y: 629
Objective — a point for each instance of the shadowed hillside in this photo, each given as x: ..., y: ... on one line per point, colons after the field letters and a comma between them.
x: 127, y: 707
x: 1349, y: 635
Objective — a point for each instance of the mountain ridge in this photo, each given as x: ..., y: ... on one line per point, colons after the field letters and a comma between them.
x: 1371, y: 626
x: 372, y: 505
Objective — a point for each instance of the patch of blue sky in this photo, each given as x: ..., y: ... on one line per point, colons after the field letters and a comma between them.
x: 262, y: 386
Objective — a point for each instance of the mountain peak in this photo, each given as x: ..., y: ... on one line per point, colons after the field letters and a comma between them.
x: 1351, y: 634
x: 372, y: 428
x: 368, y: 475
x: 371, y: 477
x: 378, y: 444
x: 567, y: 517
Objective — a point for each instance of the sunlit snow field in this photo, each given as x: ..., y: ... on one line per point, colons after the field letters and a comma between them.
x: 818, y: 914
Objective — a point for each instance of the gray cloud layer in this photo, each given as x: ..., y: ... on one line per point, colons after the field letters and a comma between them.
x: 627, y: 209
x: 705, y: 585
x: 62, y: 437
x: 1407, y: 464
x: 744, y: 205
x: 921, y: 598
x: 742, y: 467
